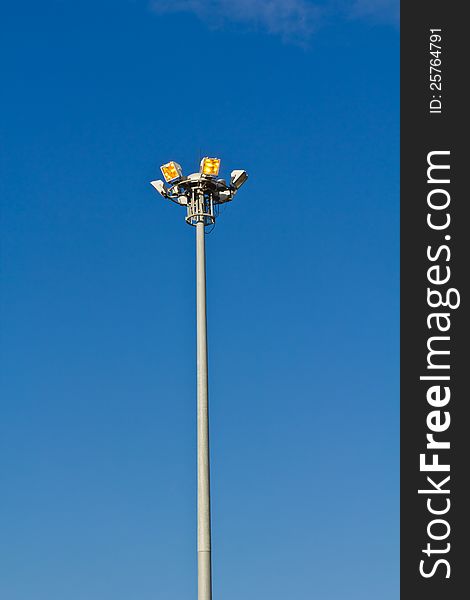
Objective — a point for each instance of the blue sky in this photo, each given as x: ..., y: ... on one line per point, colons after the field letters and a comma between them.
x: 97, y: 433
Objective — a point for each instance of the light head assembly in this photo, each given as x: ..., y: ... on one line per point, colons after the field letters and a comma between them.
x: 171, y: 171
x: 238, y: 178
x: 210, y: 166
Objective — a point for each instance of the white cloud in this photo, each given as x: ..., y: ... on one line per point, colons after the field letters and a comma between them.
x: 381, y: 10
x: 293, y: 20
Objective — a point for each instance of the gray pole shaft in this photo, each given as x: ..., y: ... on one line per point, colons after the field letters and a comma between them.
x: 203, y: 470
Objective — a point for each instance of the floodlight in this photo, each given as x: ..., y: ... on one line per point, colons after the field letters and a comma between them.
x: 171, y: 171
x: 238, y: 178
x: 210, y: 166
x: 160, y: 187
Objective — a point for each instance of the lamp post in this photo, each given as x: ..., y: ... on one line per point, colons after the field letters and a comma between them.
x: 201, y: 193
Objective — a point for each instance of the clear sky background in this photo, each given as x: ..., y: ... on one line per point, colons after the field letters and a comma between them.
x: 97, y: 428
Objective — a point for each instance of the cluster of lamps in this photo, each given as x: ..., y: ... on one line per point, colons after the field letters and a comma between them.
x: 182, y: 189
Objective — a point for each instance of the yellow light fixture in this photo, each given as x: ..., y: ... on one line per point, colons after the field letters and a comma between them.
x: 171, y: 171
x: 210, y: 166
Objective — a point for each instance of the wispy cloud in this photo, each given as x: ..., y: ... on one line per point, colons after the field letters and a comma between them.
x: 380, y: 10
x: 293, y: 20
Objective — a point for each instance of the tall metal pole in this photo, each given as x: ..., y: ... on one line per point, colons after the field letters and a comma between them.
x: 203, y: 468
x: 201, y: 193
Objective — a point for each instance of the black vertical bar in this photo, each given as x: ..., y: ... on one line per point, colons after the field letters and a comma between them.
x: 430, y: 254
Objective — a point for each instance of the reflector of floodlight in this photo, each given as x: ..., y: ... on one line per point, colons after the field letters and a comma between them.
x: 171, y: 171
x: 210, y: 166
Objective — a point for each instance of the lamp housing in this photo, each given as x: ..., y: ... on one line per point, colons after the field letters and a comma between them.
x: 160, y: 187
x: 210, y: 166
x: 171, y: 171
x: 238, y: 178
